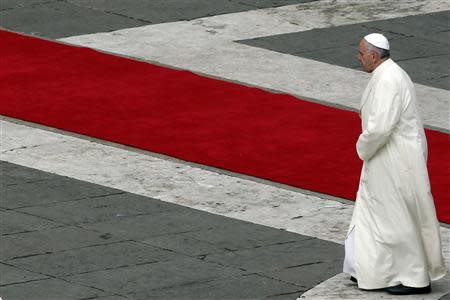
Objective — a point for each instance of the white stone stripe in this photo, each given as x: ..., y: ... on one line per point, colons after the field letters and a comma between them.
x: 176, y: 182
x: 206, y: 46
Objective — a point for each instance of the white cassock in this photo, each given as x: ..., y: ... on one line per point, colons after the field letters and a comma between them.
x: 394, y: 234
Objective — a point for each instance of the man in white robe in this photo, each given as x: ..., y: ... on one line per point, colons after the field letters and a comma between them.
x: 393, y: 242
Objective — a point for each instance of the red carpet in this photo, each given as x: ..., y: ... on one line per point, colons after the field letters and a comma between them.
x: 198, y: 119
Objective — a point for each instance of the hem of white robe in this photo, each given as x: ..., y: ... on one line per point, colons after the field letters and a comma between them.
x: 393, y: 283
x: 350, y: 268
x: 350, y: 259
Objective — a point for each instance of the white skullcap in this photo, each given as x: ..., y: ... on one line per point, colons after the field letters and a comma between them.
x: 378, y: 40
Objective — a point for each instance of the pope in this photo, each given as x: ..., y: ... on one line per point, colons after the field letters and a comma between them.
x: 393, y: 242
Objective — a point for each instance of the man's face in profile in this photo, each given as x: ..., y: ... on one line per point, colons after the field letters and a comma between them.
x: 366, y: 58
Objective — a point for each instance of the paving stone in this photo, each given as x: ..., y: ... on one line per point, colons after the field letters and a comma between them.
x: 45, y: 192
x: 48, y: 289
x: 242, y: 287
x: 101, y: 209
x: 13, y: 222
x: 143, y: 227
x: 142, y: 278
x: 280, y: 256
x: 49, y: 241
x: 11, y: 275
x: 89, y: 259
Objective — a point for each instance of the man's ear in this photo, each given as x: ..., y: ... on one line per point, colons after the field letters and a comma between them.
x: 375, y: 55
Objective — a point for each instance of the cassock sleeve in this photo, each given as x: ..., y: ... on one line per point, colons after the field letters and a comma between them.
x: 384, y: 114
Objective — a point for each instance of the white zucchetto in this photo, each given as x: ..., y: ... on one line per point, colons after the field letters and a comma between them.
x: 377, y: 40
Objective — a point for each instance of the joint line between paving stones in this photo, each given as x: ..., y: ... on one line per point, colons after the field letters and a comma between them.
x: 63, y: 201
x: 279, y: 280
x: 23, y: 282
x: 40, y: 217
x: 305, y: 265
x: 66, y: 250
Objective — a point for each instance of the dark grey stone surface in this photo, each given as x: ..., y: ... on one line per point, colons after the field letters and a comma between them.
x: 279, y: 256
x: 184, y: 244
x: 152, y: 276
x: 251, y: 286
x: 12, y: 174
x: 13, y: 222
x: 57, y: 19
x: 60, y: 18
x: 49, y: 241
x: 99, y: 209
x: 298, y: 274
x: 143, y: 227
x: 95, y: 258
x: 67, y: 239
x: 50, y: 191
x: 48, y: 289
x: 420, y: 44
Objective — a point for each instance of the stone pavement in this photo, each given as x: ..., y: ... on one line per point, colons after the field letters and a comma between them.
x: 67, y: 239
x: 420, y: 45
